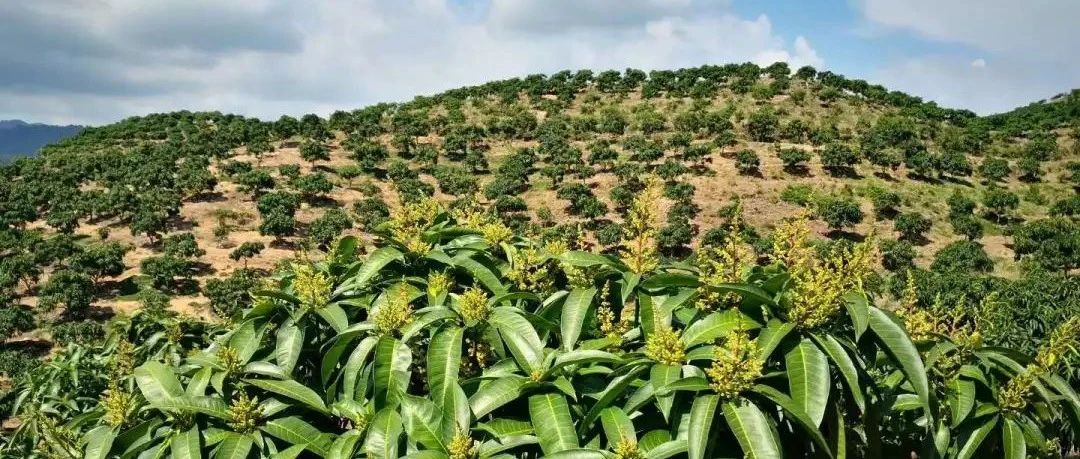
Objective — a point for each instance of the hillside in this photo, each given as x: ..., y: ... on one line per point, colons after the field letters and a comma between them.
x: 191, y: 211
x: 19, y: 138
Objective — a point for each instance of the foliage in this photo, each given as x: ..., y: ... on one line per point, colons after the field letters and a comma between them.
x: 999, y: 203
x: 329, y: 226
x: 747, y: 162
x: 794, y: 159
x: 249, y: 249
x: 963, y: 257
x: 897, y: 255
x: 229, y: 295
x: 839, y: 212
x: 1052, y: 243
x: 839, y: 159
x: 911, y: 226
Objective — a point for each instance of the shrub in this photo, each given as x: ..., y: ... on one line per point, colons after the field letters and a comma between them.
x: 1000, y: 203
x: 247, y: 250
x: 313, y: 186
x: 959, y: 204
x: 182, y: 245
x: 455, y: 181
x: 15, y: 319
x: 911, y: 226
x: 167, y: 272
x: 885, y: 202
x: 839, y: 159
x: 289, y: 171
x: 839, y: 212
x: 794, y: 159
x: 1068, y: 207
x: 229, y: 295
x: 966, y: 225
x: 370, y: 212
x: 994, y: 169
x: 609, y: 234
x: 77, y: 331
x: 801, y: 195
x: 1053, y: 243
x: 675, y: 236
x: 962, y: 257
x: 329, y: 227
x: 1030, y: 169
x: 747, y: 162
x: 897, y: 255
x: 763, y: 125
x: 68, y: 288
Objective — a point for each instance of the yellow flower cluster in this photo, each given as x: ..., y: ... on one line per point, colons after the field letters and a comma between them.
x: 438, y: 283
x: 605, y: 316
x: 920, y: 323
x: 818, y: 285
x: 722, y: 265
x: 627, y: 448
x: 478, y: 355
x: 473, y: 217
x: 642, y: 225
x: 462, y: 446
x: 1063, y: 340
x: 117, y: 403
x: 311, y: 287
x: 473, y: 304
x: 123, y: 362
x: 791, y: 243
x: 736, y: 365
x: 663, y: 346
x: 1013, y: 397
x: 395, y: 312
x: 244, y: 413
x: 531, y: 271
x: 408, y: 223
x: 229, y: 360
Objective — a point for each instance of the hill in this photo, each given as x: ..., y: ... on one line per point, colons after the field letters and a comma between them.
x: 19, y: 138
x: 188, y: 212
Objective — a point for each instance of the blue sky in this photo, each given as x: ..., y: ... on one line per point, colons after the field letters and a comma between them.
x: 97, y: 62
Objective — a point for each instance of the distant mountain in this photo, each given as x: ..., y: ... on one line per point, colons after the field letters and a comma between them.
x: 19, y: 138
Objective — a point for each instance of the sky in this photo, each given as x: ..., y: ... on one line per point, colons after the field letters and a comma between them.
x: 98, y: 61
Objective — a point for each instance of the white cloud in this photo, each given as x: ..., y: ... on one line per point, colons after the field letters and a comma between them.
x: 269, y: 57
x: 1010, y: 53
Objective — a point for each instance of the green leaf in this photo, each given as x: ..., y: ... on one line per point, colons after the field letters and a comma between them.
x: 976, y: 438
x: 667, y: 280
x: 355, y: 364
x: 577, y: 453
x: 334, y: 316
x: 481, y: 273
x: 186, y: 444
x: 796, y: 413
x: 848, y: 371
x: 770, y: 337
x: 496, y: 393
x: 297, y: 432
x: 963, y: 400
x: 702, y: 413
x: 614, y: 390
x: 858, y: 310
x: 291, y: 452
x: 345, y: 445
x: 715, y: 325
x: 293, y: 390
x: 375, y: 263
x: 383, y: 434
x: 617, y: 426
x: 808, y: 379
x: 583, y: 357
x: 157, y: 382
x: 1012, y: 439
x: 746, y: 291
x: 581, y: 259
x: 901, y: 349
x: 750, y: 427
x: 667, y: 449
x: 444, y: 361
x: 234, y: 446
x: 392, y: 360
x: 550, y: 416
x: 422, y: 422
x: 211, y: 406
x: 520, y: 337
x: 661, y: 376
x: 574, y: 310
x: 98, y: 442
x: 502, y: 428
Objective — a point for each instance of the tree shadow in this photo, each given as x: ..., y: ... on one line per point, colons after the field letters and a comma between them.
x: 322, y: 201
x: 924, y: 178
x: 209, y: 196
x: 843, y: 172
x: 798, y: 170
x: 752, y: 173
x: 885, y: 176
x: 956, y: 180
x: 845, y: 235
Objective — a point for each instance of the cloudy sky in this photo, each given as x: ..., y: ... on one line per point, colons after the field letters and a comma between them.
x: 97, y: 61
